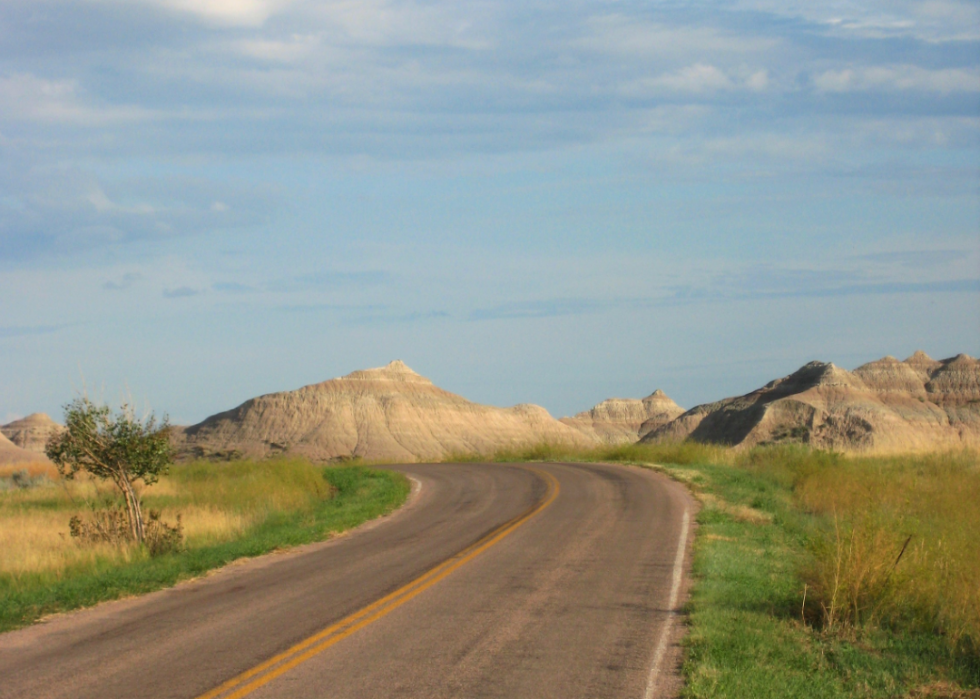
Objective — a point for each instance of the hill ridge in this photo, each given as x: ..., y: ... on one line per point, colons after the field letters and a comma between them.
x: 883, y: 405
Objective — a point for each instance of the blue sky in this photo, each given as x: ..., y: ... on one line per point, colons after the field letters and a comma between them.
x: 205, y: 200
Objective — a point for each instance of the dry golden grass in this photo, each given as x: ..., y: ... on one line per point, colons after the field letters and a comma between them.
x: 741, y: 513
x: 33, y: 468
x: 33, y: 541
x: 216, y: 502
x: 901, y: 542
x: 208, y: 525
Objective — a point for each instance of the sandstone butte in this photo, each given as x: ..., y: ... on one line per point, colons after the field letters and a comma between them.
x: 388, y: 413
x: 883, y: 406
x: 32, y: 432
x: 625, y: 420
x: 11, y: 454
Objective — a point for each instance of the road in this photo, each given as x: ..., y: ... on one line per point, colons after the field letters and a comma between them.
x: 544, y: 580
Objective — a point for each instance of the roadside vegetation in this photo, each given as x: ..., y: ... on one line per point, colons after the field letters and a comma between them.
x: 824, y: 575
x: 225, y: 511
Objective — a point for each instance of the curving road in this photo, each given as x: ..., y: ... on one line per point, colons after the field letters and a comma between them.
x: 545, y: 580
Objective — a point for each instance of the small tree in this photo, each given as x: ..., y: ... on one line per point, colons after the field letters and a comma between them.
x: 116, y: 447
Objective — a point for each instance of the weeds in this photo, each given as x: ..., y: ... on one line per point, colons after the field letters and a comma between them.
x: 896, y: 543
x: 110, y: 525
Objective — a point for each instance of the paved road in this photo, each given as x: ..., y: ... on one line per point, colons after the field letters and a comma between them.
x: 551, y: 580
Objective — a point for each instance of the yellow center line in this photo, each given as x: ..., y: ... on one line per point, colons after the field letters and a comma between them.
x: 263, y: 673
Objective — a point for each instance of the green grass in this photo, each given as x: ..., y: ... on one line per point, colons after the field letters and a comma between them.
x: 750, y: 635
x: 336, y: 499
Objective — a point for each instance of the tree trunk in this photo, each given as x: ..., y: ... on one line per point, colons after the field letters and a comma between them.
x: 133, y: 509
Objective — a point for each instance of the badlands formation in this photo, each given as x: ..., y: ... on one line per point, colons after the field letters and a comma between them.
x: 625, y: 420
x: 11, y: 454
x: 883, y: 406
x: 23, y: 441
x: 386, y: 413
x: 392, y: 413
x: 32, y: 432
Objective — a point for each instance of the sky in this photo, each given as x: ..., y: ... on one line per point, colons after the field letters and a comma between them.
x: 550, y: 202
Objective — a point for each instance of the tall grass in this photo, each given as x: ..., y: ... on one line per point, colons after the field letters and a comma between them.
x: 229, y: 511
x: 898, y: 543
x: 893, y: 540
x: 216, y: 502
x: 656, y: 452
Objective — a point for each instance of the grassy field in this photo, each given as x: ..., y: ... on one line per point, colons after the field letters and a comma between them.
x: 821, y: 575
x: 227, y: 511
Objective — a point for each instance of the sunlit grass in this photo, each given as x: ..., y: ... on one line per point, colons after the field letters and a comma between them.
x: 655, y: 452
x: 228, y: 511
x: 899, y: 543
x: 216, y: 502
x: 33, y: 468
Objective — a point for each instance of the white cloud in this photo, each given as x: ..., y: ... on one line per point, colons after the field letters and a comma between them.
x: 901, y: 77
x: 26, y: 97
x: 696, y: 79
x: 103, y: 204
x: 758, y: 81
x: 246, y: 13
x: 927, y: 20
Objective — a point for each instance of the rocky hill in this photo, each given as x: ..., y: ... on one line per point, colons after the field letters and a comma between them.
x: 625, y: 420
x: 32, y: 432
x: 885, y: 405
x: 12, y: 455
x: 385, y: 413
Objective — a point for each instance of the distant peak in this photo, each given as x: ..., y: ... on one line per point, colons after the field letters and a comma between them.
x: 393, y: 371
x: 811, y: 375
x: 920, y: 357
x: 658, y: 396
x: 959, y: 359
x: 33, y: 420
x: 38, y: 417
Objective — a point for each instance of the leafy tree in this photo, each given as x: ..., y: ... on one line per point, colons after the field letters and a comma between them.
x: 117, y: 447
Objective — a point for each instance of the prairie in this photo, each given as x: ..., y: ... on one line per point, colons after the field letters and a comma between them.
x: 226, y: 511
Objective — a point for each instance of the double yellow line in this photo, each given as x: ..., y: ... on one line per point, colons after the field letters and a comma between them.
x: 250, y: 680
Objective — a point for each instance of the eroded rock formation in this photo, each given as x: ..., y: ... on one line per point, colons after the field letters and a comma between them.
x: 625, y: 420
x: 11, y: 454
x: 385, y: 413
x: 885, y: 405
x: 32, y: 432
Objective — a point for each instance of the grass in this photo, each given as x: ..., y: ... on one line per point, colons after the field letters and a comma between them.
x: 664, y: 452
x: 799, y: 588
x: 752, y: 636
x: 228, y: 511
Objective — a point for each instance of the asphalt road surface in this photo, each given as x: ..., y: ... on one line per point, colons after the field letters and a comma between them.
x: 516, y: 581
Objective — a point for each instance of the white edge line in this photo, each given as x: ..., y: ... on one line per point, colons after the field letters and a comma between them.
x: 675, y: 588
